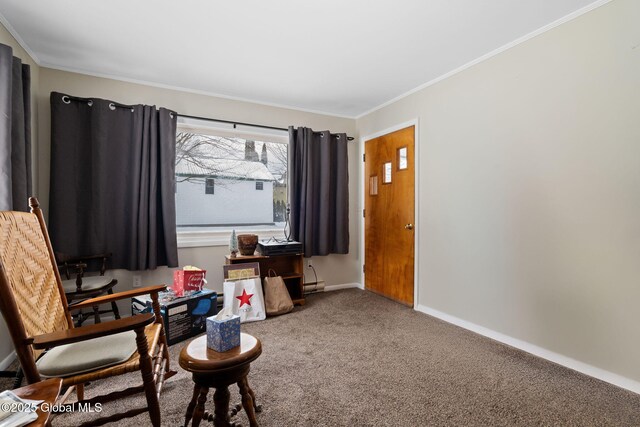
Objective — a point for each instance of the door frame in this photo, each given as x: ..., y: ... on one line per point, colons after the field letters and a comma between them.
x: 416, y: 218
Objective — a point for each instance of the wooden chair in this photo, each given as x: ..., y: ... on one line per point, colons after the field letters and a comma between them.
x: 35, y: 309
x: 78, y: 286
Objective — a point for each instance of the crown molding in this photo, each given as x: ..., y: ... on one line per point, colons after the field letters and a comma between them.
x: 188, y: 90
x: 516, y: 42
x: 432, y: 82
x: 19, y: 39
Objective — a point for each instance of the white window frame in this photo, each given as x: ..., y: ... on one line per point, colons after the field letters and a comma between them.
x: 195, y: 239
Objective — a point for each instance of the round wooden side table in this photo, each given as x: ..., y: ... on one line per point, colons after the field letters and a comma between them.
x: 219, y: 370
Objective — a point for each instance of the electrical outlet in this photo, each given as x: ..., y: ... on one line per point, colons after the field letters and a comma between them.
x: 137, y: 281
x: 309, y: 264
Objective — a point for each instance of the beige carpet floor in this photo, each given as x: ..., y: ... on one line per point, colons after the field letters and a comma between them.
x: 352, y: 358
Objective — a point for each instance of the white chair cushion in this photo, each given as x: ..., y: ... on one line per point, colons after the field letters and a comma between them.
x: 89, y: 283
x: 86, y: 356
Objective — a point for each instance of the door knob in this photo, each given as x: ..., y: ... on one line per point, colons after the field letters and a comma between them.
x: 409, y: 226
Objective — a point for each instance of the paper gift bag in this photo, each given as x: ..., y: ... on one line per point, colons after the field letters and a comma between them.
x: 189, y: 279
x: 245, y: 299
x: 276, y: 296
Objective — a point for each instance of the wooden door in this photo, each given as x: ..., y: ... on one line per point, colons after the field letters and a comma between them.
x: 389, y: 215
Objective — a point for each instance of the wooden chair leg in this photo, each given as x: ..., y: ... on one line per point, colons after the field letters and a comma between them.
x: 80, y: 392
x: 165, y: 351
x: 147, y: 377
x: 17, y: 375
x: 79, y: 318
x: 114, y: 306
x: 96, y: 314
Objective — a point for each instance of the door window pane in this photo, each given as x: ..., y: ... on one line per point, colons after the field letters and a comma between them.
x: 373, y: 185
x: 386, y: 176
x: 402, y: 158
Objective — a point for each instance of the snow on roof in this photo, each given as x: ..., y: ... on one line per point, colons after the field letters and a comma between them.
x: 225, y: 168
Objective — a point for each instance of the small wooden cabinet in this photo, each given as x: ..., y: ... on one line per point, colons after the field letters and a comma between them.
x: 289, y: 267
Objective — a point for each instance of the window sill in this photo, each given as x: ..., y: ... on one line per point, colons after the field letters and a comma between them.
x: 199, y: 239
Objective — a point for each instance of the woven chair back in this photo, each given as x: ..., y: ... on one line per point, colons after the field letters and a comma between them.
x: 28, y: 281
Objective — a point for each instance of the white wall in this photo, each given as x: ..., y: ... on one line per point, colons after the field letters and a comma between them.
x: 7, y: 39
x: 529, y: 210
x: 233, y: 202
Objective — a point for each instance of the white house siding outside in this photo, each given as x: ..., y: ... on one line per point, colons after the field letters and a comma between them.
x: 234, y: 202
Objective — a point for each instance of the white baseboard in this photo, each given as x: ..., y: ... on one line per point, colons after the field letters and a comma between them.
x: 7, y: 361
x: 576, y: 365
x: 342, y: 286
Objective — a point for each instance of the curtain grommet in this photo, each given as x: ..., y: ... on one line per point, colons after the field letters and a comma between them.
x: 66, y: 99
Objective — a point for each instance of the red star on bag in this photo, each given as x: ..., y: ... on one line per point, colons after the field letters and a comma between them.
x: 244, y: 298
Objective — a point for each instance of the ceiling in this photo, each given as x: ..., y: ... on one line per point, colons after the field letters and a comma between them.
x: 341, y: 57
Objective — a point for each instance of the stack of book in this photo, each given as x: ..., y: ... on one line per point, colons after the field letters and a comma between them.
x: 17, y: 412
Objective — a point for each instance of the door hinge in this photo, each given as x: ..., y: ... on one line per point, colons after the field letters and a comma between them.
x: 363, y: 157
x: 362, y: 213
x: 362, y: 268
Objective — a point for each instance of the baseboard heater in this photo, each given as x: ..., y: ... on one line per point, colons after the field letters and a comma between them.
x: 312, y: 287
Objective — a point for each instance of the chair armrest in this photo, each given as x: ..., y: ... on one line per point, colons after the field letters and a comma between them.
x: 76, y: 265
x: 68, y: 336
x: 71, y: 259
x: 120, y: 295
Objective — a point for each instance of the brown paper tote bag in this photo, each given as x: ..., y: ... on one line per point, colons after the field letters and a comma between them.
x: 276, y: 295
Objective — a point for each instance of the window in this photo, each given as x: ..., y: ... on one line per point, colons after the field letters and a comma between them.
x: 208, y: 186
x: 386, y: 173
x: 402, y: 158
x: 232, y: 166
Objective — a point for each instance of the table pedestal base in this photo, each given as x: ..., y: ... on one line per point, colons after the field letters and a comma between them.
x: 221, y: 417
x: 219, y: 370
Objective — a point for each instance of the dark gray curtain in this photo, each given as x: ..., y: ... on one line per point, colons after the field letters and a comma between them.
x: 15, y: 132
x: 112, y: 181
x: 319, y: 191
